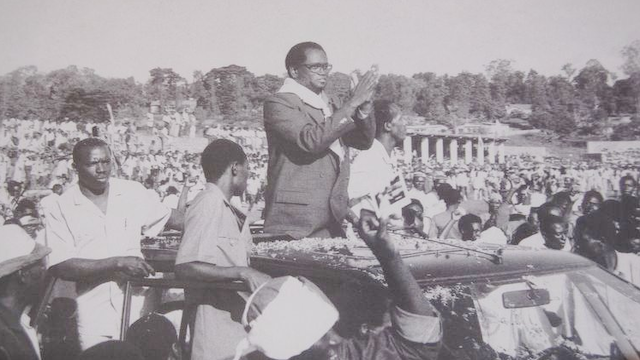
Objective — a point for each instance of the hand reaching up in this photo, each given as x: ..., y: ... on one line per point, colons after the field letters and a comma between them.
x: 374, y: 233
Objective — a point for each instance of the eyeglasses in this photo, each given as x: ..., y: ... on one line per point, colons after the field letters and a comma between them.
x: 318, y: 68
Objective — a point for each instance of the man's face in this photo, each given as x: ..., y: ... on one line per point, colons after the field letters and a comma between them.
x: 472, y: 233
x: 592, y: 204
x: 94, y: 168
x: 494, y: 205
x: 242, y: 175
x: 313, y: 80
x: 398, y: 128
x: 555, y: 236
x: 628, y: 187
x: 418, y: 182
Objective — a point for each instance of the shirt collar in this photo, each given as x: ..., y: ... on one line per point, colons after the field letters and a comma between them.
x: 377, y: 146
x: 115, y: 189
x: 241, y: 218
x: 307, y: 96
x: 215, y: 189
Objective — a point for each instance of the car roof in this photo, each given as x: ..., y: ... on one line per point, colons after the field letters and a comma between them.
x: 430, y: 262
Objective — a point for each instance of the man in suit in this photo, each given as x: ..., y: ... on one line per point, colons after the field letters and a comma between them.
x: 309, y: 136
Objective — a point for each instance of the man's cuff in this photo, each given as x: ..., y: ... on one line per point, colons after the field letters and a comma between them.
x: 417, y: 328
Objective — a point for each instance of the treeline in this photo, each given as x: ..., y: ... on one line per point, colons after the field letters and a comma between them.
x: 576, y: 101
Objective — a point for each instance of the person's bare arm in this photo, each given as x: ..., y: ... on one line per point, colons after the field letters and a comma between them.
x: 201, y: 271
x: 76, y: 269
x: 402, y: 284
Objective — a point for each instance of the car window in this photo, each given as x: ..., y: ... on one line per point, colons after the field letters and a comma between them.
x: 621, y: 299
x: 494, y: 319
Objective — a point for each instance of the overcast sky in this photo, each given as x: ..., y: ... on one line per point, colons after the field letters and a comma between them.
x: 121, y: 38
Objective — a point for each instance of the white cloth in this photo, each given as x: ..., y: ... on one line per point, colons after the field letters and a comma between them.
x: 493, y: 235
x: 25, y: 321
x: 315, y: 100
x: 76, y: 228
x: 536, y: 241
x: 629, y: 267
x: 371, y: 171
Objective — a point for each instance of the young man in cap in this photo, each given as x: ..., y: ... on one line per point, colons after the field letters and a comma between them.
x: 22, y: 269
x: 215, y: 247
x: 290, y: 316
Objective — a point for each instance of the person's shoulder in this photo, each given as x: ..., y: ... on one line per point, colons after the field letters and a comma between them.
x: 207, y: 197
x: 289, y: 99
x: 125, y: 184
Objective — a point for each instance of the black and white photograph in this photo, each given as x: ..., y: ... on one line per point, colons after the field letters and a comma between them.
x: 319, y: 180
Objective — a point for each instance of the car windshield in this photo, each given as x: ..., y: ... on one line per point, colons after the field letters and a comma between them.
x: 581, y: 314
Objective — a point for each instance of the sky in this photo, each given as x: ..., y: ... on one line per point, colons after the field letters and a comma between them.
x: 122, y: 38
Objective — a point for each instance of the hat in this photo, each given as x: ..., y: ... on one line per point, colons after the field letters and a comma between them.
x: 419, y: 174
x: 18, y: 250
x: 284, y: 317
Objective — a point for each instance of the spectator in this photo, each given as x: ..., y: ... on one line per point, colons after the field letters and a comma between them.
x: 552, y: 234
x: 22, y: 269
x: 156, y: 338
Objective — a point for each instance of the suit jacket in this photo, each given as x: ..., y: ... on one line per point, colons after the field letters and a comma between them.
x: 306, y: 193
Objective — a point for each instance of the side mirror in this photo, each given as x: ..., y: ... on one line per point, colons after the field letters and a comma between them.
x: 525, y: 298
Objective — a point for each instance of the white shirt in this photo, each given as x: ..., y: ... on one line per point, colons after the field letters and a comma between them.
x: 536, y: 241
x: 76, y: 228
x: 371, y: 171
x: 629, y: 267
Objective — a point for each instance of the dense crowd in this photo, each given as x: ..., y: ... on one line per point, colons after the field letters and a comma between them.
x: 327, y: 168
x: 590, y: 208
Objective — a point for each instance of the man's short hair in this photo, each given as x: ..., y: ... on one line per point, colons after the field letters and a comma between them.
x: 218, y: 156
x: 592, y: 194
x: 451, y: 197
x: 297, y: 54
x: 384, y: 111
x: 467, y: 220
x: 548, y: 220
x: 154, y: 335
x: 625, y: 178
x: 88, y: 143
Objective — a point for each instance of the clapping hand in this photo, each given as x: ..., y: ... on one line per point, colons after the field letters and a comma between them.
x: 363, y: 91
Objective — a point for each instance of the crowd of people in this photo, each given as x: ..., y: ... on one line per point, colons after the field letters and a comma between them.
x: 79, y: 196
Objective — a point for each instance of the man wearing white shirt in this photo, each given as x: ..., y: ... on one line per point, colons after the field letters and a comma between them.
x: 94, y: 232
x: 374, y: 169
x: 552, y: 234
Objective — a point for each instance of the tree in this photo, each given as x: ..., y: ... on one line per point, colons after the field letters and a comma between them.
x: 165, y: 85
x: 500, y: 73
x: 594, y: 95
x: 432, y: 91
x: 233, y: 89
x: 399, y: 89
x: 569, y: 70
x: 631, y: 54
x: 631, y: 67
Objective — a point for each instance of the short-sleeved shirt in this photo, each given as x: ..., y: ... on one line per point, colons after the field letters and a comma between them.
x: 76, y: 228
x: 215, y: 233
x: 411, y: 337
